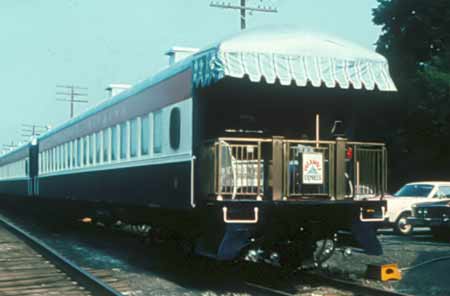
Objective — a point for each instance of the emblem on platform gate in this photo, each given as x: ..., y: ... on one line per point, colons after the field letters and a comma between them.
x: 312, y: 168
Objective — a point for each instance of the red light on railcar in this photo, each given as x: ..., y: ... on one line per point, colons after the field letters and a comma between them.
x: 349, y: 153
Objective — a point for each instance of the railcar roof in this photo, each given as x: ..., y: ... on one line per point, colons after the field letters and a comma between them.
x: 287, y: 54
x: 4, y: 157
x: 281, y: 53
x: 159, y: 77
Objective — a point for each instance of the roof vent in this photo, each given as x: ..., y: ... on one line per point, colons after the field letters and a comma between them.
x: 115, y: 89
x: 177, y: 53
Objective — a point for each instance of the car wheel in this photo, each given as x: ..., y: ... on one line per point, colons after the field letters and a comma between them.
x: 402, y: 226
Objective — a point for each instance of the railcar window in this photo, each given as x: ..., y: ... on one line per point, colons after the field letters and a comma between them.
x: 42, y: 164
x: 91, y: 149
x: 63, y: 156
x: 105, y: 144
x: 56, y: 158
x: 133, y: 137
x: 145, y: 135
x: 157, y: 132
x: 123, y: 140
x: 57, y: 155
x: 98, y: 147
x: 175, y: 122
x: 52, y: 160
x: 78, y: 152
x: 61, y: 159
x: 114, y: 143
x: 69, y: 153
x: 73, y: 145
x: 85, y: 149
x: 60, y: 153
x: 47, y: 161
x: 44, y: 161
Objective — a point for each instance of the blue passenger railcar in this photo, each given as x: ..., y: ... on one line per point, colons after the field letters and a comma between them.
x: 224, y: 149
x: 18, y: 171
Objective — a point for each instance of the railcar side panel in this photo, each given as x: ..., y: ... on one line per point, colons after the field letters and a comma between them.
x: 16, y: 187
x: 168, y: 92
x: 165, y: 185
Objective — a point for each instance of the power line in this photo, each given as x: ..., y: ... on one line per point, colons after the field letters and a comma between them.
x: 12, y: 145
x: 31, y: 130
x: 8, y: 147
x: 72, y: 92
x: 243, y: 9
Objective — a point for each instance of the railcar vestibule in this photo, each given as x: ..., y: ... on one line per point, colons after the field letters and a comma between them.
x: 256, y: 134
x: 240, y: 107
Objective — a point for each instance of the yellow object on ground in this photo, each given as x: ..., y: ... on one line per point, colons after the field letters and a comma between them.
x: 383, y: 272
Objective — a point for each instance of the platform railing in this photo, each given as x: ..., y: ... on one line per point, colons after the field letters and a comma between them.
x: 238, y: 169
x: 272, y: 168
x: 295, y: 149
x: 369, y: 169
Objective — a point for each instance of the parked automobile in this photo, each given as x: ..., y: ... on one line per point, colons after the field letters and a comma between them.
x: 400, y: 205
x: 435, y: 215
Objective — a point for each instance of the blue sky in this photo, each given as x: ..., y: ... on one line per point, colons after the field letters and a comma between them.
x: 96, y: 42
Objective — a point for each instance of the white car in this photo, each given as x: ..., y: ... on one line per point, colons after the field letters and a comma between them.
x: 400, y: 204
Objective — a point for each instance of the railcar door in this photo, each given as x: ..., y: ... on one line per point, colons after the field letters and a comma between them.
x: 29, y: 178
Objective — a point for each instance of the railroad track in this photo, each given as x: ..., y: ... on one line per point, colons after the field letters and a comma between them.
x: 29, y: 267
x: 39, y: 270
x: 316, y: 284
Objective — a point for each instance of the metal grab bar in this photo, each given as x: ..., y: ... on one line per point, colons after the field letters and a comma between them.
x: 230, y: 221
x: 383, y: 216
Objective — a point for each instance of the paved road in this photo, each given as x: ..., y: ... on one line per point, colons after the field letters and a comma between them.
x: 428, y: 280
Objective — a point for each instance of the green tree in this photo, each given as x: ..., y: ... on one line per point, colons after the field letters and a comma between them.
x: 416, y: 41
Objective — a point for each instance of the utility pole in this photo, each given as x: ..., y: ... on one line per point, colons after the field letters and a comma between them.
x: 72, y: 93
x: 31, y: 130
x: 243, y: 8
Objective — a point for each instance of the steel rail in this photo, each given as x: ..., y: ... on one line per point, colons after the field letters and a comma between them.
x: 350, y: 286
x: 82, y: 277
x: 325, y: 281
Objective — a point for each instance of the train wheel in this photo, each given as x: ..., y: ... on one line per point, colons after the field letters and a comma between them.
x: 186, y: 246
x: 325, y: 249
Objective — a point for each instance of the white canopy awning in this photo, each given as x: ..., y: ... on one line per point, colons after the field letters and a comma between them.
x: 290, y: 55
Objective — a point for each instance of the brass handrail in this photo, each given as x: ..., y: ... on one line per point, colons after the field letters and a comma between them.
x: 246, y: 171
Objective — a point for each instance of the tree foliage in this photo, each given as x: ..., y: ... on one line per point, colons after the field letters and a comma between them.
x: 416, y: 41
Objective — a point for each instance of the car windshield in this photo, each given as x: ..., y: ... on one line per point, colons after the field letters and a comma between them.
x: 414, y: 190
